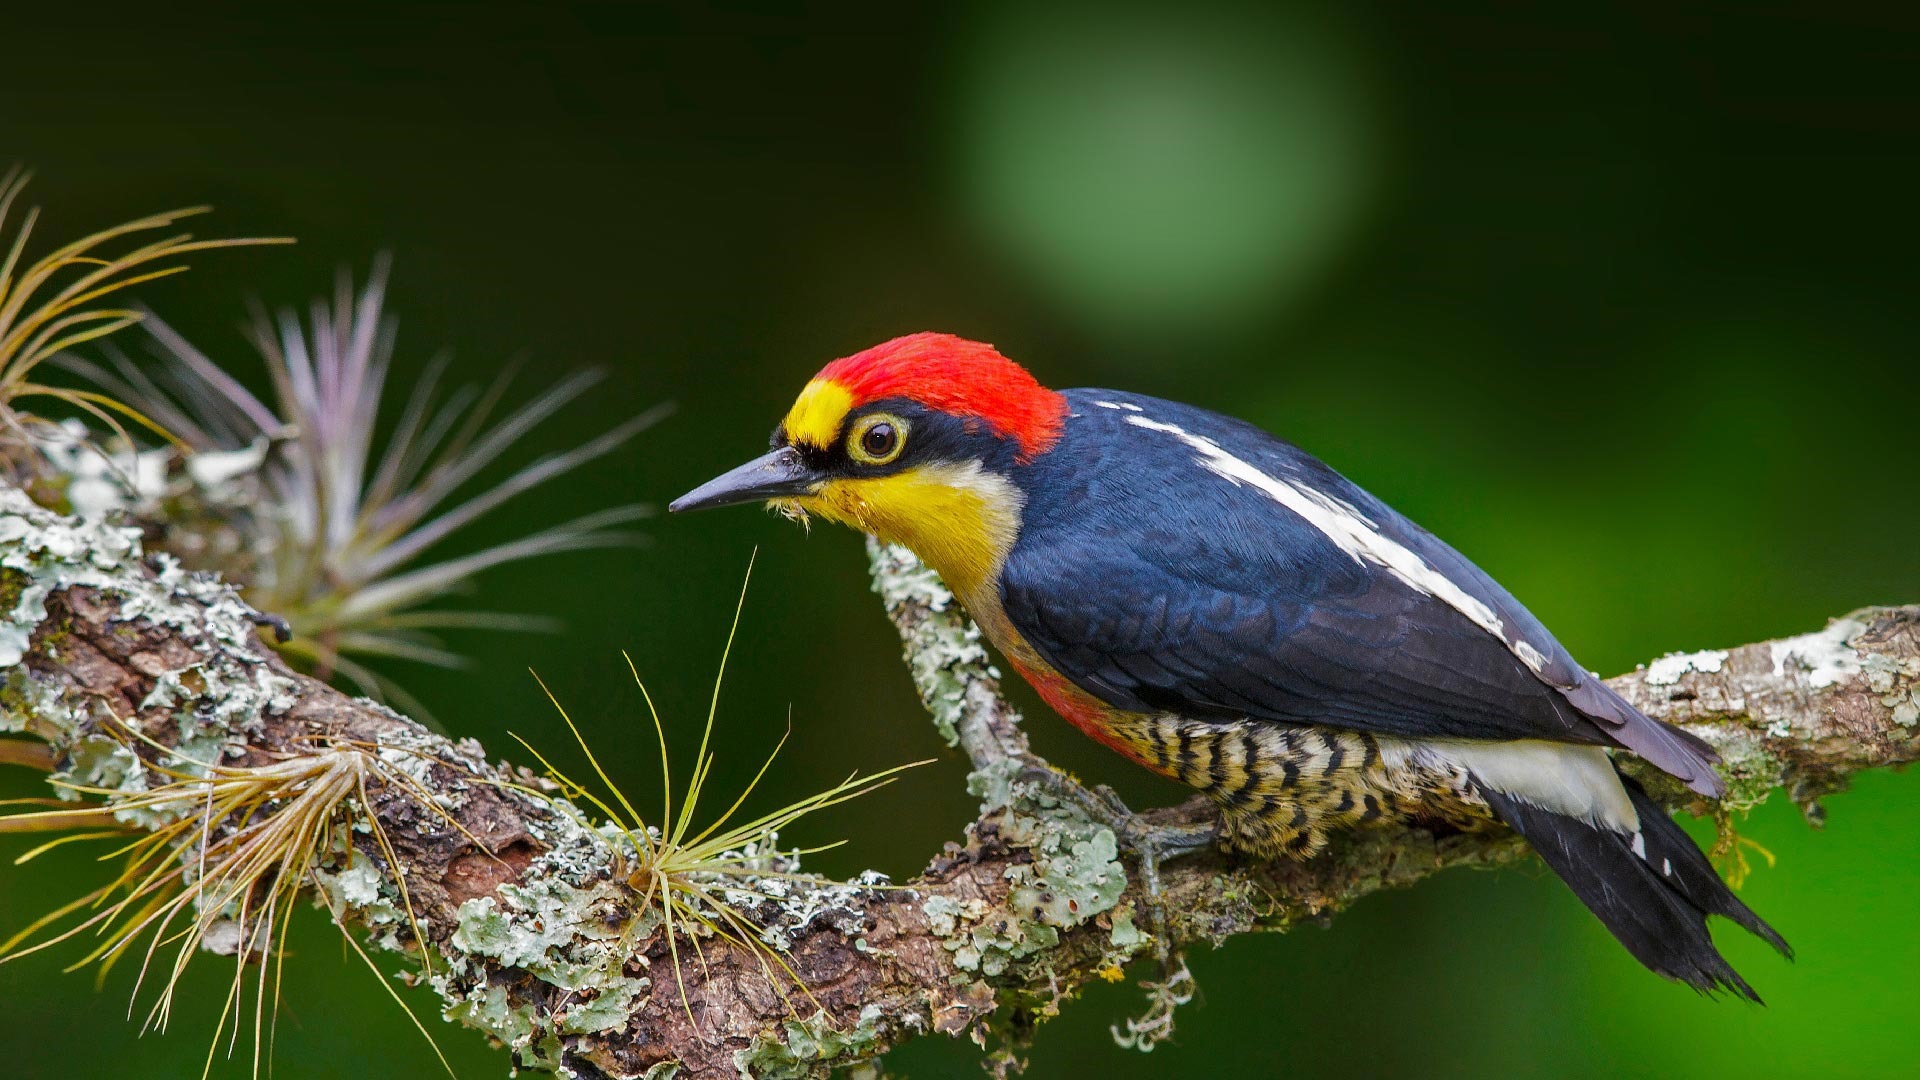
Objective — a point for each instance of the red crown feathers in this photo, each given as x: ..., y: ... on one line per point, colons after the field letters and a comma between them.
x: 954, y: 375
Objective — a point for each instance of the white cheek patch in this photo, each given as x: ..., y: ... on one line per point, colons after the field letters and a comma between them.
x: 1350, y: 531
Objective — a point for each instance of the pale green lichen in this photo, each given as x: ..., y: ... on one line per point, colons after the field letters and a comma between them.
x: 349, y: 881
x: 788, y: 904
x: 1749, y: 768
x: 608, y: 1007
x: 571, y: 938
x: 1668, y: 669
x: 1825, y: 655
x: 1128, y: 937
x: 513, y: 1022
x: 1075, y: 876
x: 104, y: 763
x: 807, y: 1048
x: 1898, y: 684
x: 215, y: 700
x: 48, y: 553
x: 1071, y: 882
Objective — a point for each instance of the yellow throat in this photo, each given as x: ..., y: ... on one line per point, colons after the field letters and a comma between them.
x: 960, y: 519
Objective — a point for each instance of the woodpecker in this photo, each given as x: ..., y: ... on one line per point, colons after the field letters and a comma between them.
x: 1228, y: 611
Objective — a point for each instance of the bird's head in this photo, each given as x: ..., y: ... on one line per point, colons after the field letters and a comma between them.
x: 916, y: 441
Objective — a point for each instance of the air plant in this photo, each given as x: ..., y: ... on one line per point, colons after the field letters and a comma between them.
x: 231, y: 851
x: 56, y: 303
x: 698, y: 878
x: 335, y: 539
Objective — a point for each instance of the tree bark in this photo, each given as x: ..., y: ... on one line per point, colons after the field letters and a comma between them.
x: 534, y: 934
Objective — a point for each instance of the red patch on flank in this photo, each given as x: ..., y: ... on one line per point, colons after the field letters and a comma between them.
x: 954, y: 375
x: 1084, y: 711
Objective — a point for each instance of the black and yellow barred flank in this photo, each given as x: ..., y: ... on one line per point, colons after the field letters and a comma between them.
x: 1281, y: 790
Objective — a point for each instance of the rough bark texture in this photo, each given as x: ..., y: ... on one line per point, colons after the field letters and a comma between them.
x: 532, y: 930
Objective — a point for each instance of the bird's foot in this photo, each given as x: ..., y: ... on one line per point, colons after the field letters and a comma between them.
x: 1149, y: 842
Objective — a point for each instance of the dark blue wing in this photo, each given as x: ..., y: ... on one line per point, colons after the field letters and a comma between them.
x: 1155, y: 579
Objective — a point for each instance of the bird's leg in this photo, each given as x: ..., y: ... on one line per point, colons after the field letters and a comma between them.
x: 1149, y: 842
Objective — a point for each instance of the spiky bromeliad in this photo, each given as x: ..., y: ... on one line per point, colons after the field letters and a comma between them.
x: 1225, y: 609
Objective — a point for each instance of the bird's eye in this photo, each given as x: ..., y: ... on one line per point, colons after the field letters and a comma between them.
x: 877, y: 439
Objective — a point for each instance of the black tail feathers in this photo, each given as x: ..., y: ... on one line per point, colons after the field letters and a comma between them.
x: 1653, y: 889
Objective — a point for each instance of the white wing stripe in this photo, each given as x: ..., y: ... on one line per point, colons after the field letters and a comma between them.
x: 1350, y: 531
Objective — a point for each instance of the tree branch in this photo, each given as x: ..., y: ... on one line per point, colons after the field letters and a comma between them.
x: 534, y: 932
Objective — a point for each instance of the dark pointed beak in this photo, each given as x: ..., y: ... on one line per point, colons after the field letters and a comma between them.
x: 779, y: 475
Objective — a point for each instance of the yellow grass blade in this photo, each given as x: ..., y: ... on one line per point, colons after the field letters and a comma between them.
x: 397, y: 999
x: 28, y: 753
x: 46, y: 306
x: 660, y: 733
x: 69, y: 839
x: 105, y: 402
x: 245, y: 855
x: 747, y: 790
x: 48, y: 820
x: 399, y: 879
x: 702, y: 761
x: 633, y: 815
x: 8, y: 946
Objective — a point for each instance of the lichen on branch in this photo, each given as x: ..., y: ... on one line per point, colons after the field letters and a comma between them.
x: 514, y: 907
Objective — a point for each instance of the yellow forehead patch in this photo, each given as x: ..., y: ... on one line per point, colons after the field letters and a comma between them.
x: 818, y: 413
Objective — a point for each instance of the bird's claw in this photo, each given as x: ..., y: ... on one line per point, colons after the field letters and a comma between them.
x: 282, y: 629
x: 1149, y: 843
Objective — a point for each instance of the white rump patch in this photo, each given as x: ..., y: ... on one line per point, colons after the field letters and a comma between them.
x: 1350, y: 531
x: 1577, y: 781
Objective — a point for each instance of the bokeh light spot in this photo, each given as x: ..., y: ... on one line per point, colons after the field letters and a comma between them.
x: 1160, y: 172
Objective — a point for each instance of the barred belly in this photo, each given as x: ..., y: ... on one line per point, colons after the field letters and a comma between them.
x: 1282, y: 789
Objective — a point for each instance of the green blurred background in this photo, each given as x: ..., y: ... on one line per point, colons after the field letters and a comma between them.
x: 1619, y: 299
